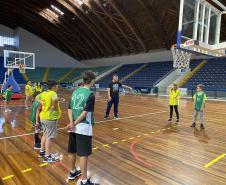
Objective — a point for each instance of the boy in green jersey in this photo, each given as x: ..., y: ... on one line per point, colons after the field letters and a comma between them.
x: 35, y: 119
x: 7, y: 98
x: 80, y: 113
x: 199, y: 105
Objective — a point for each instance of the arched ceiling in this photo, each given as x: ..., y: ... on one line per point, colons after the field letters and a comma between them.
x: 87, y: 29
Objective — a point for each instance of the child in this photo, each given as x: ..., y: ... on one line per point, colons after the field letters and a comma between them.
x: 28, y: 94
x: 38, y: 87
x: 7, y: 98
x: 199, y: 105
x: 80, y: 113
x: 49, y: 116
x: 35, y: 110
x: 174, y: 97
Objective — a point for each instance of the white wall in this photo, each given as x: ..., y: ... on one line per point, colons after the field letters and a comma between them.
x: 6, y: 31
x: 152, y: 56
x: 46, y: 55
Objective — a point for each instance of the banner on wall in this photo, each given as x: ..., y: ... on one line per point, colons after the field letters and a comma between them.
x: 145, y: 90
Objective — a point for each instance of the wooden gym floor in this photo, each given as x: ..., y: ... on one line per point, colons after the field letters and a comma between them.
x: 139, y: 148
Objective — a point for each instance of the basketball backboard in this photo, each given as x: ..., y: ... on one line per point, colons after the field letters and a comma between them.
x: 16, y: 59
x: 199, y: 27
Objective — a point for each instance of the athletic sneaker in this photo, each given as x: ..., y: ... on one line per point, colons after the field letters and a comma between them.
x: 89, y: 183
x: 202, y: 126
x: 42, y: 153
x: 72, y: 176
x: 106, y: 117
x: 8, y: 110
x: 177, y: 120
x: 170, y: 119
x: 37, y: 146
x: 193, y: 125
x: 50, y: 159
x: 116, y: 117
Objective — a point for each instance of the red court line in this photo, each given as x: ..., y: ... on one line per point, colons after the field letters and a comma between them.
x: 136, y: 156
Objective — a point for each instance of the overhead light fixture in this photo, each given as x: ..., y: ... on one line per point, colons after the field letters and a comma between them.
x: 49, y: 15
x: 80, y: 2
x: 57, y: 10
x: 52, y: 13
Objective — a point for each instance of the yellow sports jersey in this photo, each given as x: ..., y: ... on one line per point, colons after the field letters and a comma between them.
x: 174, y: 97
x: 38, y: 89
x: 47, y: 98
x: 28, y: 90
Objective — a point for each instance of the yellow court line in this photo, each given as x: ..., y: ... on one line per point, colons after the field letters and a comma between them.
x: 43, y: 164
x: 7, y: 177
x: 27, y: 170
x: 215, y: 160
x: 95, y: 148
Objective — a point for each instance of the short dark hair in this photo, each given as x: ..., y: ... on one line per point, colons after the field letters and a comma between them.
x: 201, y: 86
x: 9, y: 86
x: 52, y: 83
x: 36, y: 94
x: 115, y: 75
x: 88, y: 76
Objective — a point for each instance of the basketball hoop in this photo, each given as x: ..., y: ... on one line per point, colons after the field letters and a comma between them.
x: 181, y: 58
x: 22, y: 68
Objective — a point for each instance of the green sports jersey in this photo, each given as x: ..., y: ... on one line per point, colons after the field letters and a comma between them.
x: 199, y: 98
x: 83, y: 99
x: 7, y: 95
x: 33, y: 111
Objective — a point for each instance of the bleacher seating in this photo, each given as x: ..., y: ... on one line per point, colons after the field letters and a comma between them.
x: 36, y: 75
x: 122, y: 72
x: 17, y: 76
x: 212, y: 75
x: 57, y: 73
x: 150, y: 74
x: 79, y: 71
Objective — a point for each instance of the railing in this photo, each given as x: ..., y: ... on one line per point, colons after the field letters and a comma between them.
x: 218, y: 93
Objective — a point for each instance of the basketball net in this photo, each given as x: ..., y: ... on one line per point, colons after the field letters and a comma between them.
x: 181, y: 58
x: 22, y: 68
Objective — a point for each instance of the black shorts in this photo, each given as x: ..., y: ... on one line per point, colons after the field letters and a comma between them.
x: 80, y: 144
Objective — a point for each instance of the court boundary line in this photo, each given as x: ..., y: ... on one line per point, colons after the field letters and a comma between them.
x: 103, y: 121
x: 214, y: 161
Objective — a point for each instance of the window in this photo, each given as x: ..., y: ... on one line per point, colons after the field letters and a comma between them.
x: 6, y: 41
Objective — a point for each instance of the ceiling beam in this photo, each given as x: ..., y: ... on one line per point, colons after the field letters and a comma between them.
x: 156, y: 23
x: 129, y: 24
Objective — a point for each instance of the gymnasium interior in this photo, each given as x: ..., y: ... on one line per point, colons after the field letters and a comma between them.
x: 139, y: 41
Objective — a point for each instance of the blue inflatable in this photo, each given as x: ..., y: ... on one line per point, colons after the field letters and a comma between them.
x: 12, y: 81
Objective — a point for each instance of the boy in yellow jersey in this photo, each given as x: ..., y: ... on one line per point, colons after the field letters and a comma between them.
x: 38, y: 87
x: 174, y: 97
x: 28, y: 94
x: 49, y: 116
